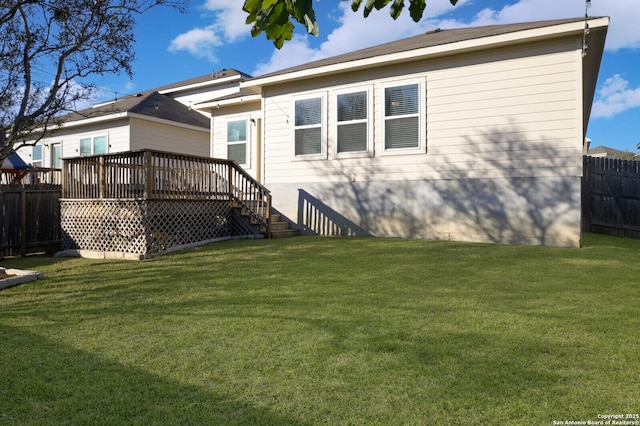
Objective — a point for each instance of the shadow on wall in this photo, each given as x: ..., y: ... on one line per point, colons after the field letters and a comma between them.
x: 496, y: 187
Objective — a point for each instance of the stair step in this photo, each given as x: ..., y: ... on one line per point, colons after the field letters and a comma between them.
x: 285, y: 233
x: 280, y: 226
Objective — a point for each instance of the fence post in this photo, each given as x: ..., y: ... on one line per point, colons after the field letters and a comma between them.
x: 586, y: 194
x: 23, y: 221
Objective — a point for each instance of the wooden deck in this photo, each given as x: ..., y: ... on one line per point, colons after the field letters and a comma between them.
x: 148, y: 202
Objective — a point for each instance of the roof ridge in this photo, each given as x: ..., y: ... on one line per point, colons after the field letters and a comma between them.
x: 430, y: 38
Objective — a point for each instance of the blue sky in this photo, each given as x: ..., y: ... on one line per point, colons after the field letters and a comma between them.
x: 172, y: 47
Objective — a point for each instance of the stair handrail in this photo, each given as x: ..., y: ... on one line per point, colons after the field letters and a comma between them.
x: 250, y: 195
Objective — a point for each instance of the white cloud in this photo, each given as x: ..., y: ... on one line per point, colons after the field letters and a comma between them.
x: 615, y: 97
x: 198, y: 41
x: 228, y: 26
x: 229, y: 19
x: 624, y: 31
x: 354, y: 32
x: 294, y: 52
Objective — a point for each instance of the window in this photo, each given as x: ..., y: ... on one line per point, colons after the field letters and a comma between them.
x: 308, y: 130
x: 56, y: 154
x: 237, y: 141
x: 36, y: 156
x: 93, y: 146
x: 352, y: 122
x: 402, y: 117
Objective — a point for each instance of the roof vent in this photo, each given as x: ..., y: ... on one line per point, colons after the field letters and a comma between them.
x: 138, y: 95
x: 437, y: 30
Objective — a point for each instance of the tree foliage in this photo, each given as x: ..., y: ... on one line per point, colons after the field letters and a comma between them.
x: 274, y: 17
x: 47, y: 49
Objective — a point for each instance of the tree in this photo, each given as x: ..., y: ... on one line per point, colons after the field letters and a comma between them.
x: 49, y: 47
x: 273, y: 17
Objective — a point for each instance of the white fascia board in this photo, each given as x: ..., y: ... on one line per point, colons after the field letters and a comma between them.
x: 121, y: 115
x: 200, y: 85
x: 553, y: 31
x: 93, y: 120
x: 226, y: 102
x: 167, y: 122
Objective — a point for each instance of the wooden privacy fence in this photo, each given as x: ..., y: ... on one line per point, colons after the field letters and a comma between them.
x: 611, y: 196
x: 29, y: 219
x: 145, y: 202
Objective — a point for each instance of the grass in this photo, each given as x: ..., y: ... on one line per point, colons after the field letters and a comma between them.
x: 309, y: 331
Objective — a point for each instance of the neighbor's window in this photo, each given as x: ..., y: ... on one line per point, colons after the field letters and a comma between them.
x: 56, y: 154
x: 402, y: 117
x: 93, y: 146
x: 352, y: 122
x: 308, y: 138
x: 36, y: 156
x: 237, y: 141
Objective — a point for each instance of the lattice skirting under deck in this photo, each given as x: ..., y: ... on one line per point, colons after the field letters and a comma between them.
x: 146, y: 227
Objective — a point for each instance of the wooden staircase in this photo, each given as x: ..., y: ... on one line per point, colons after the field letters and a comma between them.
x: 280, y: 227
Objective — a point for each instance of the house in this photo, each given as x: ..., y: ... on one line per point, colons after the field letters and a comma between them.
x: 162, y: 118
x: 605, y: 151
x: 472, y: 134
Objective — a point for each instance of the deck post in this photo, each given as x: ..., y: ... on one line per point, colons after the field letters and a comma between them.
x: 229, y: 182
x: 148, y: 175
x: 102, y: 182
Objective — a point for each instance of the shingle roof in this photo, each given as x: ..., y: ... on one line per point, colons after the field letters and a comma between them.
x: 429, y: 39
x: 212, y: 76
x: 605, y: 151
x: 150, y: 103
x: 145, y: 102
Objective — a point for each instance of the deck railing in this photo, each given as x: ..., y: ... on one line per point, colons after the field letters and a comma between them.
x: 30, y: 176
x: 155, y: 175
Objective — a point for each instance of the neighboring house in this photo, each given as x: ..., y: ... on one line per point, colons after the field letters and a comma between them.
x: 470, y: 134
x: 161, y: 119
x: 605, y: 151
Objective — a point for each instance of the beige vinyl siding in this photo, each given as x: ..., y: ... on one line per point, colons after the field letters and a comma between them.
x: 162, y: 137
x: 117, y: 133
x: 513, y: 112
x: 220, y: 118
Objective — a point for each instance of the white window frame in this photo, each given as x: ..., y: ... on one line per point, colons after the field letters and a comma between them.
x: 248, y: 123
x: 52, y: 152
x: 422, y: 108
x: 368, y: 89
x: 93, y: 144
x: 322, y: 155
x: 37, y: 162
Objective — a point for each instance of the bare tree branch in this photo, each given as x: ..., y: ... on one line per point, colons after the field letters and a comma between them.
x: 68, y: 41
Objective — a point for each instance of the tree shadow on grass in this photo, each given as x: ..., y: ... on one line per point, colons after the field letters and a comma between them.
x: 48, y: 383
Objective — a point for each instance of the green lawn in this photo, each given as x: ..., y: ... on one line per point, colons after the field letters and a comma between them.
x: 335, y: 331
